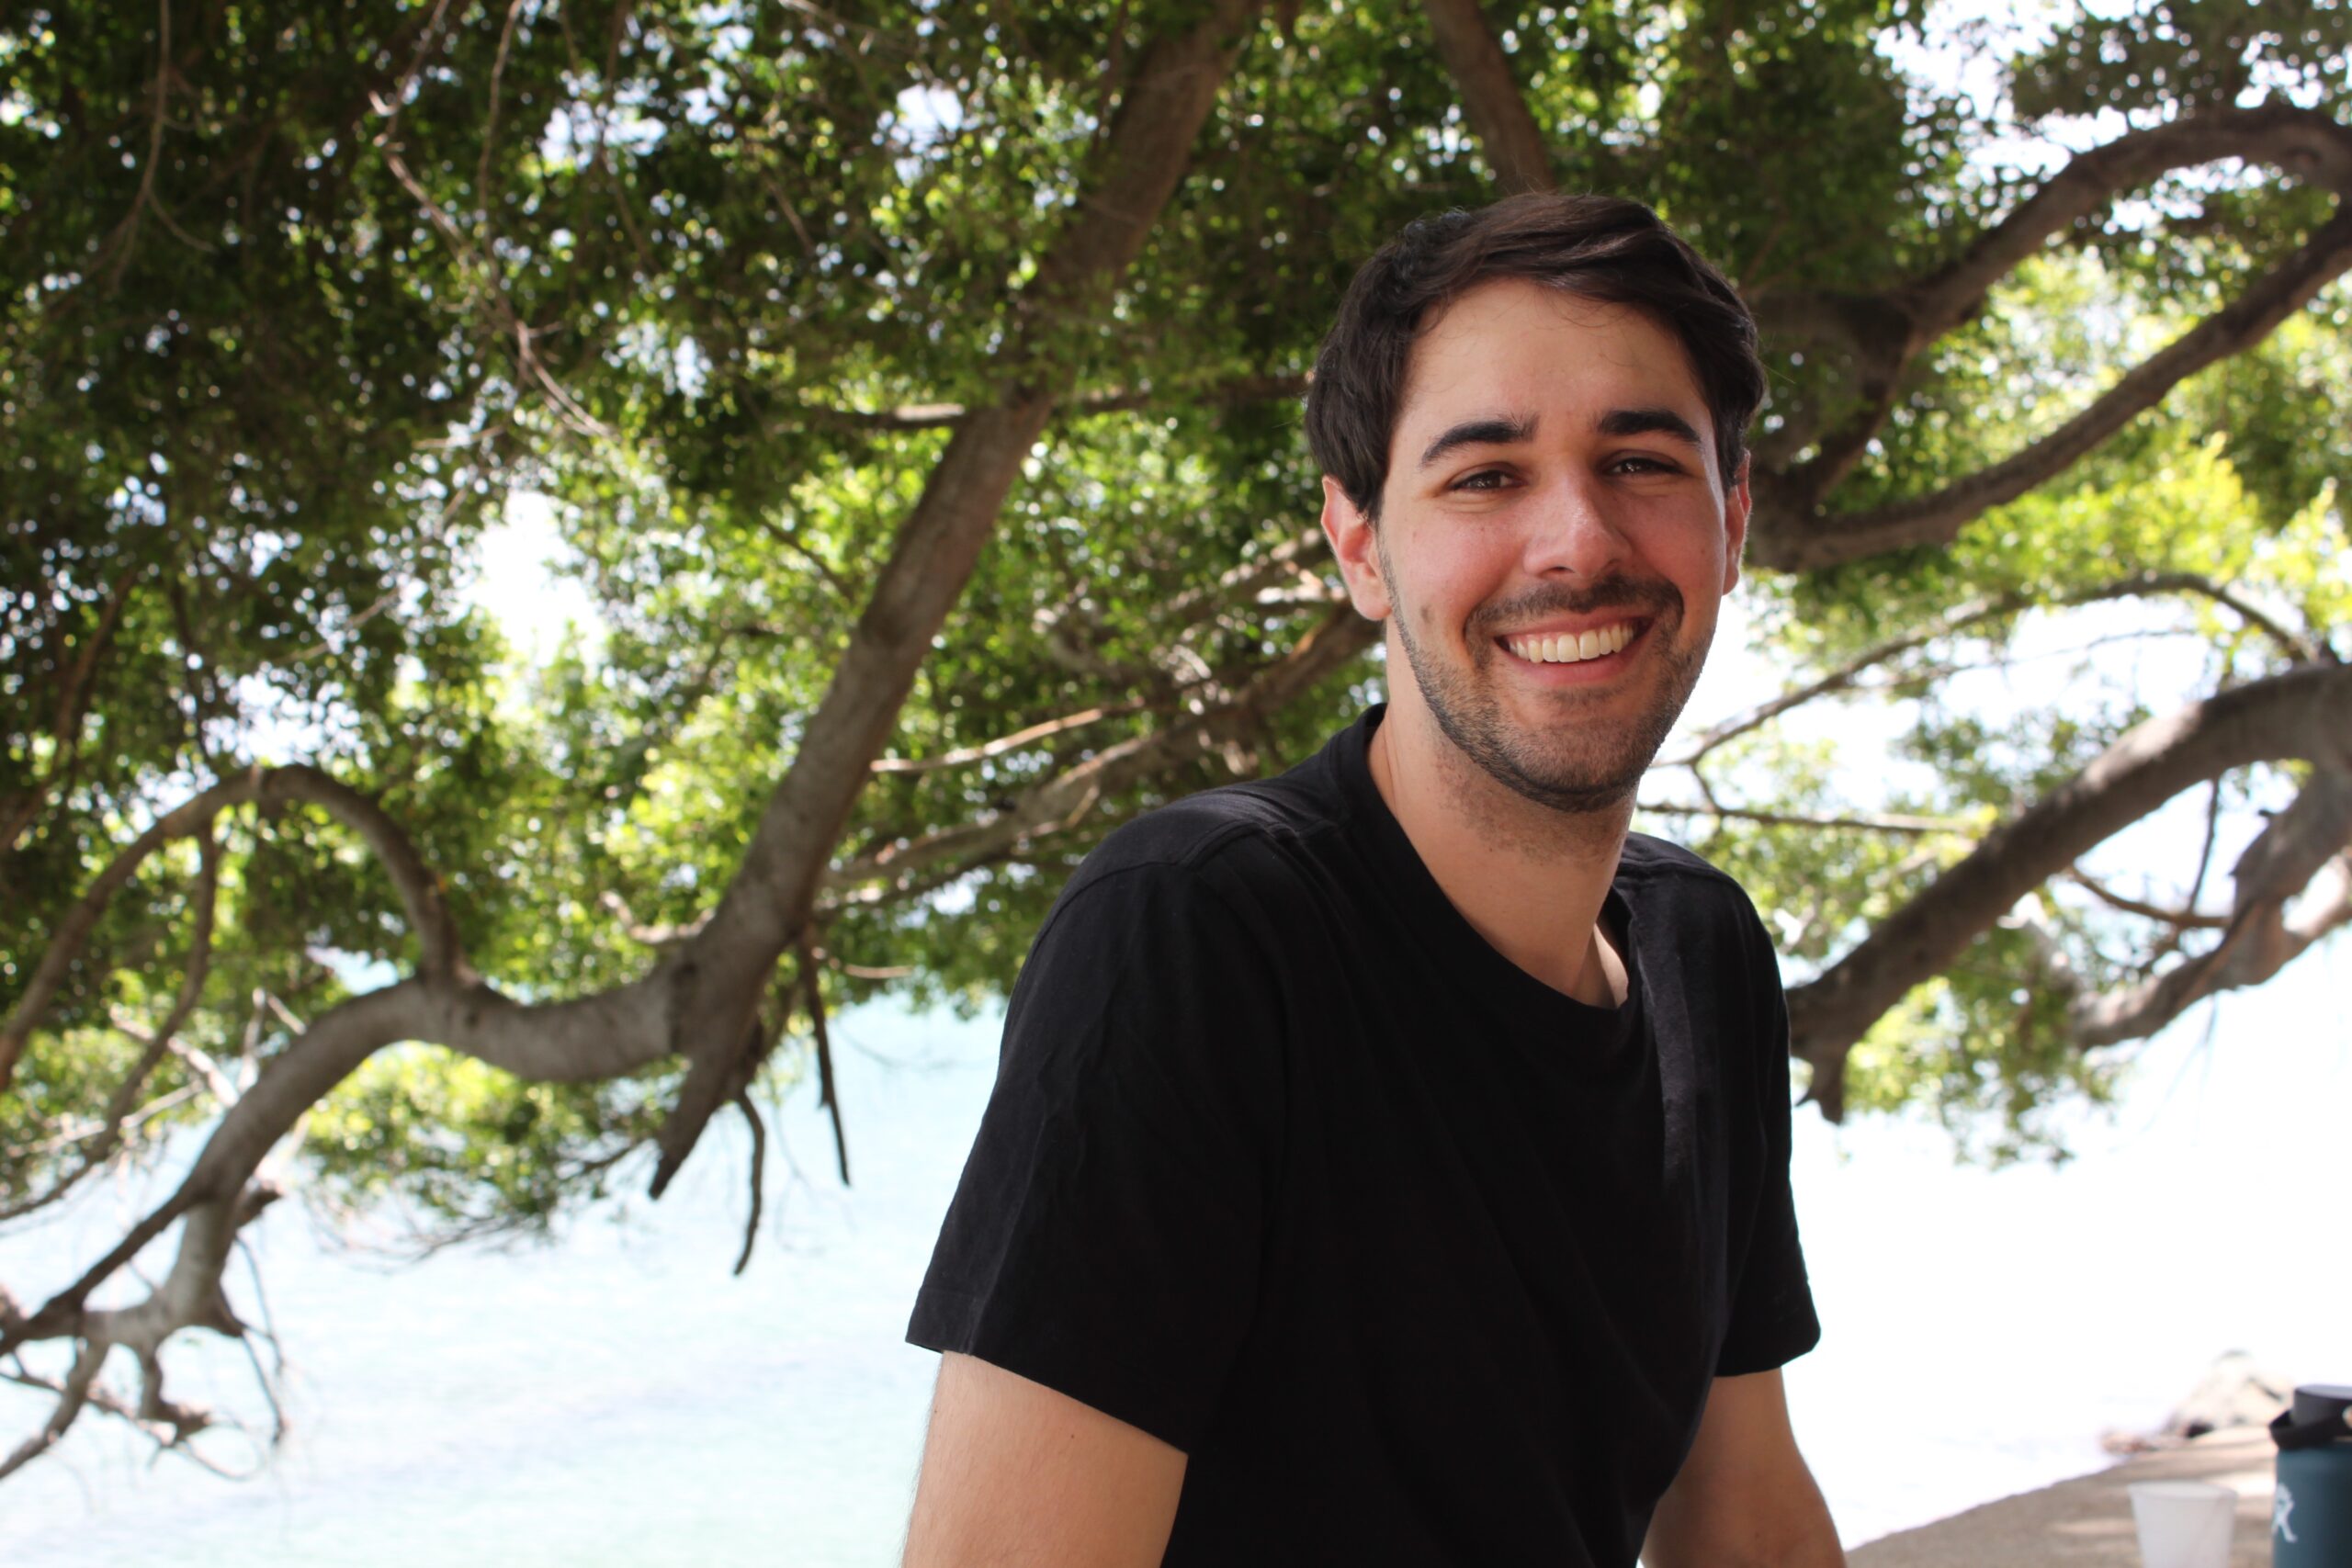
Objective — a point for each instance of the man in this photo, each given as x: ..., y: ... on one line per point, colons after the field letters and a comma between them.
x: 1388, y: 1161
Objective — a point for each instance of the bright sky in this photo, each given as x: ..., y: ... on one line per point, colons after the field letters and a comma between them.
x: 521, y: 581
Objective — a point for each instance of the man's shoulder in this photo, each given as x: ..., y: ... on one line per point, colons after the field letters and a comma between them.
x: 1206, y: 884
x: 1645, y: 858
x: 1235, y: 834
x: 1696, y: 920
x: 1656, y: 869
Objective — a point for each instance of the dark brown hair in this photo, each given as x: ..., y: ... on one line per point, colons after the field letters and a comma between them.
x: 1597, y: 247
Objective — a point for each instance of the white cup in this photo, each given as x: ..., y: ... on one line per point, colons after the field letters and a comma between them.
x: 2184, y: 1524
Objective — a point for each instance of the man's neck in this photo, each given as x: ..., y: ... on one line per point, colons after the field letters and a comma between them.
x: 1530, y: 879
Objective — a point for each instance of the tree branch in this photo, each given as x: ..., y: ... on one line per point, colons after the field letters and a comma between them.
x: 491, y: 291
x: 722, y: 969
x: 71, y: 1395
x: 2302, y: 647
x: 1893, y: 326
x: 490, y: 118
x: 2189, y: 919
x: 1244, y: 581
x: 419, y: 889
x: 2213, y: 837
x: 1804, y: 538
x: 1880, y: 335
x: 842, y: 586
x: 2254, y: 948
x: 105, y: 1401
x: 2305, y: 712
x: 429, y: 42
x: 1238, y: 392
x: 72, y: 700
x: 1883, y: 823
x: 267, y: 1377
x: 1491, y: 99
x: 1843, y: 677
x: 113, y: 1121
x: 660, y: 938
x: 759, y: 1175
x: 592, y: 1038
x: 2306, y: 849
x: 2309, y: 143
x: 828, y: 1097
x: 1019, y: 740
x: 1061, y: 802
x: 114, y: 253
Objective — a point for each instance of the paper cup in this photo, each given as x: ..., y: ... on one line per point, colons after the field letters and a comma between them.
x: 2184, y: 1524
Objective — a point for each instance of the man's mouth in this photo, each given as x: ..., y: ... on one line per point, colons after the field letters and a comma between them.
x: 1573, y: 648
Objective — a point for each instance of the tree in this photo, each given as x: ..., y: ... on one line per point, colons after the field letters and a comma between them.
x: 917, y: 386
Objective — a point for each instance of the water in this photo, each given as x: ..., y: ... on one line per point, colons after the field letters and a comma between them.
x: 620, y: 1400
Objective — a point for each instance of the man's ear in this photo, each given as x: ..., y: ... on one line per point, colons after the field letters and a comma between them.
x: 1737, y: 504
x: 1357, y: 549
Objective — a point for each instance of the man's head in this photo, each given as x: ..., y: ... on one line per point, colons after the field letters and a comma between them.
x: 1595, y: 247
x: 1530, y: 419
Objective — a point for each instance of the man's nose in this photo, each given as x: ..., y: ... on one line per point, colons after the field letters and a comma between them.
x: 1573, y: 531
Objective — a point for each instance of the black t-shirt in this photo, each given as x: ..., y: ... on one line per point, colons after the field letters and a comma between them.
x: 1418, y: 1261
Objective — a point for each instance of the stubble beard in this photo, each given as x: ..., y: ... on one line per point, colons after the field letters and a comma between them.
x: 1582, y: 765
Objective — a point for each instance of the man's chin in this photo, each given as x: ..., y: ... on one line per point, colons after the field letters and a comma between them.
x: 1575, y: 785
x: 1575, y: 793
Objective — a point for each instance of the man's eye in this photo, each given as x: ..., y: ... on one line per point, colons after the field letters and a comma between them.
x: 1634, y: 463
x: 1484, y: 478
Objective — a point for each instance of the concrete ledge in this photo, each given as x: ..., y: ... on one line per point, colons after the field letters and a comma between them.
x: 2087, y: 1522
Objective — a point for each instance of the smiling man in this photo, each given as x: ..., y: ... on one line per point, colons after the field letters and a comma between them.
x: 1388, y: 1162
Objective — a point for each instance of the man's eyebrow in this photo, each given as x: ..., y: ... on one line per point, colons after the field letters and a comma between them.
x: 1649, y: 422
x: 1491, y: 430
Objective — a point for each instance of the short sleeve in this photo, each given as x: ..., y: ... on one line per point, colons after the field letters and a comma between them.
x: 1105, y: 1237
x: 1772, y: 1317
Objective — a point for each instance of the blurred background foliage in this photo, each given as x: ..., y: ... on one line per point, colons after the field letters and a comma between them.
x: 306, y: 305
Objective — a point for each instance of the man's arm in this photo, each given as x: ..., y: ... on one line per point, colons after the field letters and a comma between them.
x: 1744, y: 1498
x: 1015, y: 1475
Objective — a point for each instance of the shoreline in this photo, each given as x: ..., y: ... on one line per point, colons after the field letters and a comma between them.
x: 2085, y: 1521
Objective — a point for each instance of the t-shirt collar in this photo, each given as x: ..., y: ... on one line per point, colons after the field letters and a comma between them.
x: 1440, y: 925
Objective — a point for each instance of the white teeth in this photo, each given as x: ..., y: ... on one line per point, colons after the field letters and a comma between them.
x: 1572, y: 647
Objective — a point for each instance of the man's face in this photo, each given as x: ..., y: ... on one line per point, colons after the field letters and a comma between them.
x: 1554, y: 539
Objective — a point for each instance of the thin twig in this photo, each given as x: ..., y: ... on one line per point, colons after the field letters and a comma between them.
x: 393, y: 108
x: 71, y: 1395
x: 865, y: 971
x: 490, y: 122
x: 2212, y: 832
x: 1004, y: 743
x: 64, y: 759
x: 2170, y: 943
x: 116, y: 248
x: 826, y: 1096
x: 847, y: 591
x: 327, y: 645
x: 759, y: 1173
x: 1891, y: 824
x: 492, y: 292
x: 2188, y: 919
